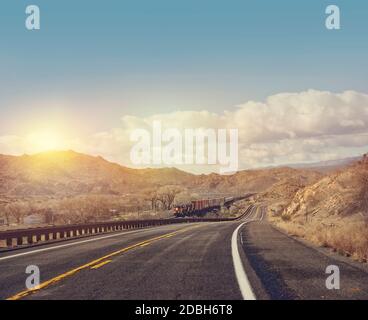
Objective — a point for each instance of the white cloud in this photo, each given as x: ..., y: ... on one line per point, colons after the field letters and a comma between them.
x: 286, y: 127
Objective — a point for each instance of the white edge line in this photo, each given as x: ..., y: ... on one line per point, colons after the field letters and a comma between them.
x: 241, y: 277
x: 69, y: 244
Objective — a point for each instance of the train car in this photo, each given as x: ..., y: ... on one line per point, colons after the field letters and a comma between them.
x: 183, y: 210
x: 200, y: 206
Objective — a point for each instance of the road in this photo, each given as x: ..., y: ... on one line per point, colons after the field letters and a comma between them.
x: 191, y: 261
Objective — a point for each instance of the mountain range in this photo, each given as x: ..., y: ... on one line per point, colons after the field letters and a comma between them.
x: 68, y: 173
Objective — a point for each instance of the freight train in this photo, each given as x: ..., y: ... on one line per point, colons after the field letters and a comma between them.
x: 197, y: 207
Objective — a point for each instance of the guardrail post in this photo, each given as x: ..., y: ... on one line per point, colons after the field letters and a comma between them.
x: 20, y: 241
x: 9, y: 242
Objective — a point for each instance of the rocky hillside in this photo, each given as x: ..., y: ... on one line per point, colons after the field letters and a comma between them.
x: 271, y: 181
x: 68, y: 173
x: 332, y: 212
x: 64, y: 173
x: 338, y: 195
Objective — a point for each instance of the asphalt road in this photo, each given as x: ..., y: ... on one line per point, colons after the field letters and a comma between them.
x: 281, y: 267
x: 191, y: 261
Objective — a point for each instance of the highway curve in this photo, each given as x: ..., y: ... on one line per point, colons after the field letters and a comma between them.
x: 183, y: 261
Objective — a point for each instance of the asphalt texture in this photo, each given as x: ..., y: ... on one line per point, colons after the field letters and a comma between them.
x: 180, y: 262
x: 281, y: 267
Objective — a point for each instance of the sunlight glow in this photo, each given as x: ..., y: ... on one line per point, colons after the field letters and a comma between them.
x: 45, y: 140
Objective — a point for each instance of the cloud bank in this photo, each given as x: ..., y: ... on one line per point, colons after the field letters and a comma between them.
x: 285, y: 128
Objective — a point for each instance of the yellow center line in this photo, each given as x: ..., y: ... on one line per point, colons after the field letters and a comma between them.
x: 98, y: 261
x: 101, y: 264
x: 146, y: 244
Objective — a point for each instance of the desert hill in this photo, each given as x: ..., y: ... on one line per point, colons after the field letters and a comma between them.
x: 327, y: 166
x: 62, y: 173
x: 68, y: 173
x: 333, y: 212
x: 338, y: 195
x: 257, y: 181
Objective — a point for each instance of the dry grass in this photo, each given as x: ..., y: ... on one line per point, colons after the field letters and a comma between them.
x: 348, y: 237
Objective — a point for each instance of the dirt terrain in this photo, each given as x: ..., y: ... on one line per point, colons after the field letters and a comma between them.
x: 331, y: 212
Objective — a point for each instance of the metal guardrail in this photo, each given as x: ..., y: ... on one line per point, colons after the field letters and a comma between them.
x: 31, y: 236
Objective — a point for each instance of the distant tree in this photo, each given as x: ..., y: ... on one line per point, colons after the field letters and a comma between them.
x: 152, y: 197
x: 167, y: 194
x: 68, y: 211
x: 184, y: 197
x: 87, y: 208
x: 18, y: 210
x: 6, y: 214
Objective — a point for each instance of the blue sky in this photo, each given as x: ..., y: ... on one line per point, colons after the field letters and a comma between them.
x: 144, y: 57
x: 94, y: 62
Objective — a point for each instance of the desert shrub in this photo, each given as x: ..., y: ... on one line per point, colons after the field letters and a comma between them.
x: 349, y: 238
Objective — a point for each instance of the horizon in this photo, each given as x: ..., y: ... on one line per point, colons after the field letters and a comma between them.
x: 298, y: 165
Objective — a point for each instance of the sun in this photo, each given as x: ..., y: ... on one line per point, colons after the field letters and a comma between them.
x: 45, y: 140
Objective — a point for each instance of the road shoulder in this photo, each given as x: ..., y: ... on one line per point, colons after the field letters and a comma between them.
x: 281, y: 267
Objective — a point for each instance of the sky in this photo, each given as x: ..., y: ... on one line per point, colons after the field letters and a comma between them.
x: 96, y: 67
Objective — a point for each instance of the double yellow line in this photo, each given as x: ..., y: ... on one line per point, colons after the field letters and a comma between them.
x: 95, y: 264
